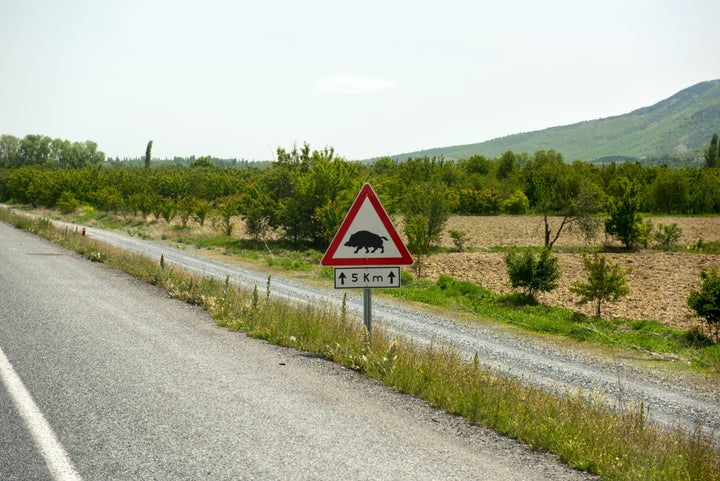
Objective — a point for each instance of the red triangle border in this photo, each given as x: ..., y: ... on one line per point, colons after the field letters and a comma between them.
x: 366, y: 193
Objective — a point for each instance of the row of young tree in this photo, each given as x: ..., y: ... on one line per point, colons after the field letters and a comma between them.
x: 304, y: 195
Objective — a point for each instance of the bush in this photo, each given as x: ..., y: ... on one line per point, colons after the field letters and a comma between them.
x: 516, y: 204
x: 532, y: 274
x: 706, y: 301
x: 459, y: 238
x: 67, y: 203
x: 624, y: 221
x: 666, y: 237
x: 606, y: 282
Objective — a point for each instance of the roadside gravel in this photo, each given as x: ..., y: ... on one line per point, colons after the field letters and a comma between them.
x: 670, y: 398
x: 136, y: 385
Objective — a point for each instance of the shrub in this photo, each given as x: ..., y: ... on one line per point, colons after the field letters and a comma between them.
x: 459, y: 238
x: 666, y: 237
x: 624, y: 221
x: 606, y: 282
x: 516, y: 204
x: 67, y: 203
x: 532, y: 274
x: 706, y: 301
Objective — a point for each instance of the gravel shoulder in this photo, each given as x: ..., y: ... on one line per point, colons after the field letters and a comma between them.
x: 672, y: 398
x: 152, y: 389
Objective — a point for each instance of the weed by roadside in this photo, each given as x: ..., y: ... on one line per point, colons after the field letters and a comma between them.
x: 617, y: 443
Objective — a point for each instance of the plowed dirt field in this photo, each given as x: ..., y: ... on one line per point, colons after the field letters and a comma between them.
x: 659, y: 282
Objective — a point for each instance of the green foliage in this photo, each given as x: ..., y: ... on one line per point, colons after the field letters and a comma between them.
x: 666, y: 237
x: 517, y: 203
x: 227, y: 207
x: 712, y: 153
x: 554, y: 187
x: 606, y: 282
x: 148, y: 154
x: 706, y: 301
x: 427, y: 208
x: 41, y: 150
x: 459, y: 239
x: 204, y: 161
x: 478, y: 202
x: 670, y: 191
x: 430, y: 201
x: 306, y: 193
x: 530, y: 273
x: 624, y: 221
x: 418, y: 240
x: 67, y: 203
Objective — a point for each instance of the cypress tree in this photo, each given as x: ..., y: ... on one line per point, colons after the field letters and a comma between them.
x: 712, y: 154
x: 148, y: 154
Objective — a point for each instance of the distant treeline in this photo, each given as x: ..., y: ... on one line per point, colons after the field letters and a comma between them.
x: 43, y: 150
x: 305, y: 193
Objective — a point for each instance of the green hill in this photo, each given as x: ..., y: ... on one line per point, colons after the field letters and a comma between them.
x: 672, y: 128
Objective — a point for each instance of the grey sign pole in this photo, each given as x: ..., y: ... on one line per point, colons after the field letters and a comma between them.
x: 367, y: 310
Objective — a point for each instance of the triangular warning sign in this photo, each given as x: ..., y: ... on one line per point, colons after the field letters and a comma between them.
x: 367, y: 237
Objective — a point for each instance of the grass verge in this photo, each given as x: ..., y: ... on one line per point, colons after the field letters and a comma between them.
x: 651, y: 338
x: 618, y: 444
x: 684, y: 348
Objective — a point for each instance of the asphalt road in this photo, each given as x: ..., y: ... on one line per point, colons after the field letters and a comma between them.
x: 106, y: 378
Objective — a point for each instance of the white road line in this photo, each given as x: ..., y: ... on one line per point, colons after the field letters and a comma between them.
x: 55, y: 456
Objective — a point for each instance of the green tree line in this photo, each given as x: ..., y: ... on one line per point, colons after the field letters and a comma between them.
x: 42, y: 150
x: 304, y: 195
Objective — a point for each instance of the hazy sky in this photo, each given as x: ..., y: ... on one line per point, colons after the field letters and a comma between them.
x: 237, y: 79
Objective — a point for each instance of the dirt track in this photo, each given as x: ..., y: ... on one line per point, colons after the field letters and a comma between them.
x: 659, y: 282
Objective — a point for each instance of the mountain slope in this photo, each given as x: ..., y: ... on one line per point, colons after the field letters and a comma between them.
x: 679, y: 124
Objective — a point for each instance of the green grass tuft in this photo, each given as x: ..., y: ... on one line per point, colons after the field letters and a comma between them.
x: 616, y: 443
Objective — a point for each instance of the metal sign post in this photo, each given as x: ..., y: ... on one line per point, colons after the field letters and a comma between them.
x: 367, y: 251
x: 367, y: 311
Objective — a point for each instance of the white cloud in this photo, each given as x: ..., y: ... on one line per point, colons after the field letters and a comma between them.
x: 352, y: 85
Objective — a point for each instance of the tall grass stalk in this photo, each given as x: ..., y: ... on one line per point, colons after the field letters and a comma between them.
x: 580, y: 427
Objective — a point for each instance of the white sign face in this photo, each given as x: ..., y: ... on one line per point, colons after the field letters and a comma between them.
x: 366, y: 277
x: 367, y: 237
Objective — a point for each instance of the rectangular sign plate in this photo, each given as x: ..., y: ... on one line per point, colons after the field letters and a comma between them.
x: 365, y: 277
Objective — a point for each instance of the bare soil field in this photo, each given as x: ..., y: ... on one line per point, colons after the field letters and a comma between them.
x: 659, y: 282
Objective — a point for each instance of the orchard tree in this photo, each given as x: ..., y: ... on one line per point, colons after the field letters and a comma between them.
x: 670, y: 191
x: 624, y: 221
x: 606, y: 282
x: 555, y: 188
x: 706, y: 301
x: 303, y: 187
x: 506, y: 165
x: 427, y: 207
x: 532, y: 273
x: 255, y: 209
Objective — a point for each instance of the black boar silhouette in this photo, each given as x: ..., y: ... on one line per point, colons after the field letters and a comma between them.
x: 368, y: 240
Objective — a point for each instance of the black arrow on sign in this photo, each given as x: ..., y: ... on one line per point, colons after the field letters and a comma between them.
x: 392, y: 277
x: 342, y: 278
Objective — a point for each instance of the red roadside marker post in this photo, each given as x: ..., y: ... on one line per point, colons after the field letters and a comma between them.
x: 367, y: 250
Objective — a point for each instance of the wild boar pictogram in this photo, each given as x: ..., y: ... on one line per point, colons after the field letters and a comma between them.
x: 367, y: 240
